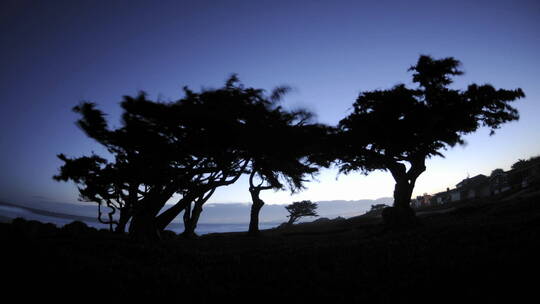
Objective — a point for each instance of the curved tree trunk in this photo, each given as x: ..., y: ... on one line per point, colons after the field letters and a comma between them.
x: 201, y: 194
x: 256, y: 207
x: 144, y: 225
x: 126, y: 213
x: 191, y: 224
x: 291, y: 221
x: 167, y: 216
x: 257, y: 202
x: 401, y: 214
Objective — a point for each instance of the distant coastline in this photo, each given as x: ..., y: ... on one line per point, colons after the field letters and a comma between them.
x: 52, y: 214
x: 60, y: 219
x: 233, y: 217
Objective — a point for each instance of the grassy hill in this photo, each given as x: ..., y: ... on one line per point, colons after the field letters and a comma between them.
x: 482, y: 250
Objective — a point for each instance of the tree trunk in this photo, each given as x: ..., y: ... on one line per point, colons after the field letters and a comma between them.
x: 291, y: 221
x: 123, y: 220
x: 143, y: 227
x: 167, y: 216
x: 191, y: 224
x: 402, y: 194
x: 255, y: 210
x: 187, y: 216
x: 144, y: 224
x: 401, y: 214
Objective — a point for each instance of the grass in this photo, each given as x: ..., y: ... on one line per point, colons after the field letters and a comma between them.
x: 484, y: 250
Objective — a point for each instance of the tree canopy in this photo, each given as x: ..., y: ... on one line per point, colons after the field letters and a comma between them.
x: 522, y: 163
x: 279, y: 145
x: 188, y: 148
x: 300, y: 209
x: 388, y: 129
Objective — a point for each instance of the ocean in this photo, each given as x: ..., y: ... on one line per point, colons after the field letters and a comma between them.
x: 8, y: 213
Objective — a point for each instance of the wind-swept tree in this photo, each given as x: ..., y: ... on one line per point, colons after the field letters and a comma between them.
x: 245, y: 105
x: 273, y: 141
x: 98, y: 181
x: 119, y: 185
x: 277, y: 143
x: 187, y: 147
x: 399, y: 128
x: 300, y: 209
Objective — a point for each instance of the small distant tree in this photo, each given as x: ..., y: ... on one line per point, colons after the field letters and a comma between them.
x: 300, y: 209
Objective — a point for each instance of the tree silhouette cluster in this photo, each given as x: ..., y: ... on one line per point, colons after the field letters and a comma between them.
x: 190, y: 147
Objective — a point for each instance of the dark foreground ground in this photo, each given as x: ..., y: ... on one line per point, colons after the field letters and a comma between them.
x: 479, y: 251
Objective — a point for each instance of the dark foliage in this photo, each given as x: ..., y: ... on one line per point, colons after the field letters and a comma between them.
x: 278, y: 144
x: 188, y: 147
x: 391, y: 128
x: 300, y: 209
x: 101, y: 182
x: 522, y: 163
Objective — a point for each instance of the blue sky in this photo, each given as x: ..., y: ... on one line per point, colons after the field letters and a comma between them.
x: 58, y: 53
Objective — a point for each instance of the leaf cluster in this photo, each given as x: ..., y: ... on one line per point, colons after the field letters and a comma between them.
x: 405, y: 124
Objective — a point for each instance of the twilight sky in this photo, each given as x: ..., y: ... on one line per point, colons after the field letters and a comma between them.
x: 55, y: 54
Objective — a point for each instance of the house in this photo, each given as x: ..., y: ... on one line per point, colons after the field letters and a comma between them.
x: 415, y: 203
x: 499, y: 182
x: 423, y: 200
x: 524, y: 174
x: 474, y: 187
x: 441, y: 198
x: 454, y: 195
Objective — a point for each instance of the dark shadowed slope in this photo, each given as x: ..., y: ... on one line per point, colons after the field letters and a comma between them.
x: 481, y: 251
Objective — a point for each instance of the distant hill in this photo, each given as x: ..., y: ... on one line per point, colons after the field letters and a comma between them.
x: 239, y: 212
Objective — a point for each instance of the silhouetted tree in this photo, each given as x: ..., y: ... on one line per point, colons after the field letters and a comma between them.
x: 496, y: 172
x: 202, y: 135
x: 187, y: 147
x: 525, y: 173
x: 100, y: 182
x: 265, y: 129
x: 277, y: 142
x: 391, y: 128
x: 300, y: 209
x: 250, y: 107
x: 522, y: 163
